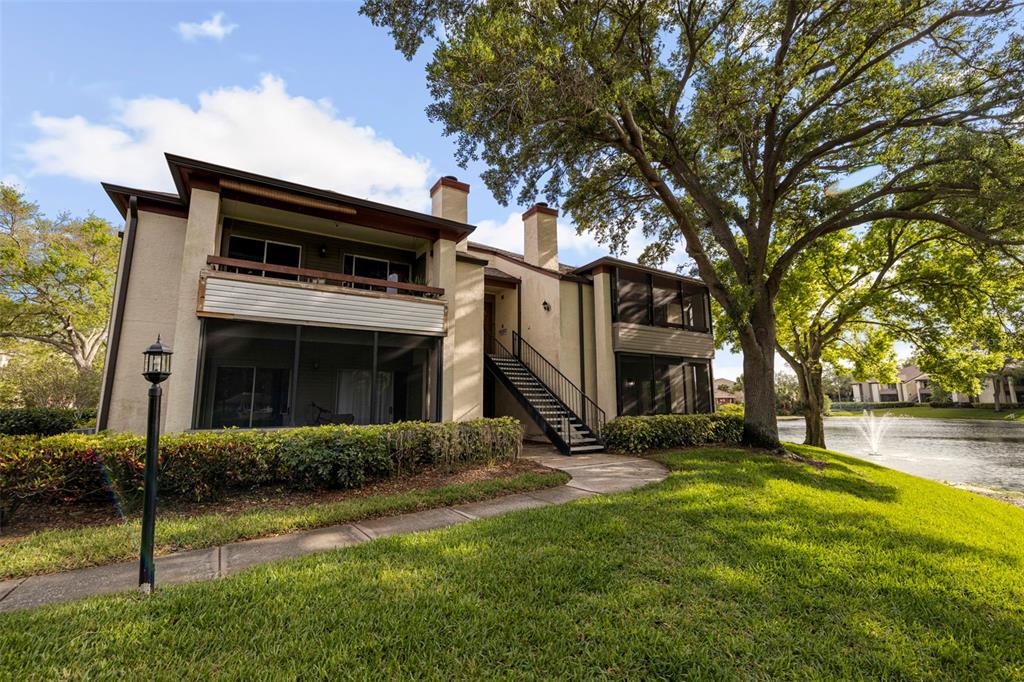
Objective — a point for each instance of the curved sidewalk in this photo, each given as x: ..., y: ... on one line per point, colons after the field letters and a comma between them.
x: 591, y: 475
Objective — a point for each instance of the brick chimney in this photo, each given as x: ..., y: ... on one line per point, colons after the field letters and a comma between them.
x: 540, y: 236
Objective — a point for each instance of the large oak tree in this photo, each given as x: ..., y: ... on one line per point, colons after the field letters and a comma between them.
x: 56, y: 279
x: 724, y: 125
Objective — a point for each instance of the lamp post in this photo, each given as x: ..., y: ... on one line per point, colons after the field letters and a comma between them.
x: 157, y: 367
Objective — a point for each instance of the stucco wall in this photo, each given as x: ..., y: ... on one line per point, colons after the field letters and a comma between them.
x: 443, y: 274
x: 506, y: 315
x: 468, y: 322
x: 603, y: 346
x: 149, y: 309
x: 201, y: 239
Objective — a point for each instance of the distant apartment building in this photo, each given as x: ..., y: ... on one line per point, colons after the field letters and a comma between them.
x: 915, y: 386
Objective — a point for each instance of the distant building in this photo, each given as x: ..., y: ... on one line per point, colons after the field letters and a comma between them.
x: 914, y: 386
x: 727, y: 392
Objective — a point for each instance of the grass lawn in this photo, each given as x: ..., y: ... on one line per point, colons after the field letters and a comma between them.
x: 737, y: 566
x: 944, y: 412
x: 50, y: 551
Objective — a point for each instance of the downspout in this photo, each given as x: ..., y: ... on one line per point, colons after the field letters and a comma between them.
x: 117, y: 314
x: 583, y: 356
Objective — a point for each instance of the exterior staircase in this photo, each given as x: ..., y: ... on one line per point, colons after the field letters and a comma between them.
x: 570, y: 419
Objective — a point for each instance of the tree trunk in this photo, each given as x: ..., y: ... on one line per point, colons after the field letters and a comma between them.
x: 997, y: 390
x: 814, y: 406
x: 812, y: 397
x: 760, y: 427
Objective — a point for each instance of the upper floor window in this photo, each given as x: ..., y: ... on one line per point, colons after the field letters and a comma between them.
x: 265, y: 251
x: 644, y: 298
x: 377, y: 268
x: 634, y: 295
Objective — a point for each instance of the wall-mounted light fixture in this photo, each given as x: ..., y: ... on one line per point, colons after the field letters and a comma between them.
x: 323, y: 250
x: 547, y: 307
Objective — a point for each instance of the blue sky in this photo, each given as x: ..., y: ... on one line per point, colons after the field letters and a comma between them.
x: 310, y: 92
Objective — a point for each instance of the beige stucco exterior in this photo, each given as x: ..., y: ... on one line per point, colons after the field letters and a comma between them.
x: 152, y: 291
x: 201, y: 239
x: 540, y: 237
x: 566, y: 316
x: 604, y: 351
x: 468, y: 324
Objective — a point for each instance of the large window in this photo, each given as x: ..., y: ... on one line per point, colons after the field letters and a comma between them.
x: 634, y: 296
x: 658, y: 384
x: 377, y: 268
x: 247, y: 369
x: 264, y: 375
x: 644, y: 298
x: 265, y: 251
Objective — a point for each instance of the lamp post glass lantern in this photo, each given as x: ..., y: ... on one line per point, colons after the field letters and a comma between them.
x: 156, y: 368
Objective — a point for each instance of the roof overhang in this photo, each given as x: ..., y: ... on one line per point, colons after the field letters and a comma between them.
x: 609, y: 262
x: 191, y: 174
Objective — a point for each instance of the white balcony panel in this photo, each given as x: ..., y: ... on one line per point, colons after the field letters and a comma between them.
x: 639, y: 338
x: 285, y: 301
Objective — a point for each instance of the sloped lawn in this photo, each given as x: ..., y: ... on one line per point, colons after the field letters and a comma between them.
x: 737, y: 566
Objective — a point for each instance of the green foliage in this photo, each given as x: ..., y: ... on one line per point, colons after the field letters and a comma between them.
x: 37, y: 375
x: 56, y: 278
x: 653, y: 432
x: 42, y: 421
x: 740, y: 566
x: 730, y: 409
x: 54, y: 550
x: 787, y: 394
x: 198, y: 466
x: 749, y: 133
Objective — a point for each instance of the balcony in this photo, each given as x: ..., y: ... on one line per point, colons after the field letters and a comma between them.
x: 233, y: 288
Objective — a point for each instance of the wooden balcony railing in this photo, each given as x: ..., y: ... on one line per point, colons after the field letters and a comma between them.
x: 321, y: 277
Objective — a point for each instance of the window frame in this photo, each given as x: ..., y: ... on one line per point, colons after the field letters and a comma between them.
x: 265, y: 243
x: 697, y: 320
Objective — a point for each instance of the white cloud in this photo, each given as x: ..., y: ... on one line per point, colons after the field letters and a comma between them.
x: 14, y: 180
x: 214, y: 28
x: 264, y: 130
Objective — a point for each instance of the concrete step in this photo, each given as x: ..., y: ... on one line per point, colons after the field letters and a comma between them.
x: 577, y: 449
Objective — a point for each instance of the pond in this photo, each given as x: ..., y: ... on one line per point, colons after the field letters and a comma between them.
x: 983, y: 453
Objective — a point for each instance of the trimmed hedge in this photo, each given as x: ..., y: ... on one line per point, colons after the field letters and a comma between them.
x: 200, y: 466
x: 845, y: 407
x: 42, y: 421
x: 638, y: 434
x: 949, y: 403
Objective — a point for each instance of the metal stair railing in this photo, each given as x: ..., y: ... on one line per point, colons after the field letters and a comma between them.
x: 571, y: 395
x: 551, y: 425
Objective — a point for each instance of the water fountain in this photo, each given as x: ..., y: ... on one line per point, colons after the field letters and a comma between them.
x: 874, y: 429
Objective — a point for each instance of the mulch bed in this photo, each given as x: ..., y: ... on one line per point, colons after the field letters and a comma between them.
x: 31, y: 518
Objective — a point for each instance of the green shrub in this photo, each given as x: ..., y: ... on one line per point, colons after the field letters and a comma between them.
x: 638, y: 434
x: 949, y: 403
x: 42, y: 421
x: 201, y: 465
x: 730, y: 408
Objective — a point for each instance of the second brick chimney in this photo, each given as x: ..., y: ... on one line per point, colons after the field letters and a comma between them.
x: 540, y: 236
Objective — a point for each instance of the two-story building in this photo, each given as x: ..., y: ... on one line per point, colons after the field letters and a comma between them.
x: 289, y: 305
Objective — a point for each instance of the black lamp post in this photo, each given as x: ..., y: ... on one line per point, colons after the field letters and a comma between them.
x: 157, y: 368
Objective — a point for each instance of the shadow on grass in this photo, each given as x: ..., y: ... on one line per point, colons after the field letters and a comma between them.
x: 742, y: 467
x: 713, y: 573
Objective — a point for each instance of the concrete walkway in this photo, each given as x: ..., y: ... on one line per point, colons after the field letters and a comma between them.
x: 591, y: 475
